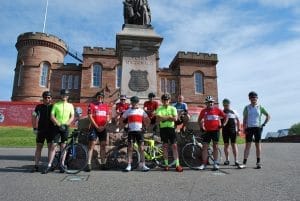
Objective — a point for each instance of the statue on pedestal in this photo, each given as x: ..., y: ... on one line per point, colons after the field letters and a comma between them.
x: 137, y: 12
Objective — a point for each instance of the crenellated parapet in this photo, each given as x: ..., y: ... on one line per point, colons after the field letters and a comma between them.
x: 99, y: 51
x: 41, y: 39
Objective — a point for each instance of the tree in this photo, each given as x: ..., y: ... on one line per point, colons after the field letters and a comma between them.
x: 295, y: 129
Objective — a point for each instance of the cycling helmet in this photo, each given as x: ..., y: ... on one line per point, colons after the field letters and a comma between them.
x: 226, y: 101
x: 123, y: 97
x: 209, y: 99
x: 166, y: 97
x: 100, y: 93
x: 252, y: 94
x: 151, y: 95
x: 134, y: 99
x: 46, y: 94
x: 64, y: 92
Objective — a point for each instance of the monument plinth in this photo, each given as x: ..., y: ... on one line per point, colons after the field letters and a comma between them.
x: 137, y: 47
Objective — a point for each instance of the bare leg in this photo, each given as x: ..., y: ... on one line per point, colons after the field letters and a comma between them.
x: 258, y: 149
x: 234, y: 151
x: 226, y: 151
x: 38, y: 153
x: 247, y: 150
x: 103, y: 151
x: 51, y: 153
x: 204, y: 153
x: 215, y: 151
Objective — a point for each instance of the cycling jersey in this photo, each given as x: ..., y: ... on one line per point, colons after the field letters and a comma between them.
x: 166, y: 111
x: 212, y: 118
x: 180, y: 106
x: 253, y: 115
x: 232, y: 118
x: 43, y: 113
x: 135, y: 118
x: 150, y: 107
x: 99, y: 112
x: 62, y: 111
x: 121, y: 107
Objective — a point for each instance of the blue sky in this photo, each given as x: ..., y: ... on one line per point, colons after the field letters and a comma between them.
x: 257, y: 42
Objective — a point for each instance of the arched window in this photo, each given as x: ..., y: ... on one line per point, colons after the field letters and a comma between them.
x: 119, y: 76
x: 20, y: 74
x: 64, y: 82
x: 199, y: 83
x: 44, y: 74
x: 97, y: 75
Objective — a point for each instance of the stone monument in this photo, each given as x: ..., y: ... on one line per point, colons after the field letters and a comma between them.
x: 137, y: 47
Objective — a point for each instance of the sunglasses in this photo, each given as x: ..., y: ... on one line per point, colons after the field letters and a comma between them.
x: 48, y: 97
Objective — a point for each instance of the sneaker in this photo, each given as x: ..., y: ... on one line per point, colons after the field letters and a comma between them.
x: 216, y: 167
x: 179, y: 169
x: 88, y: 168
x: 62, y: 169
x: 202, y: 167
x: 128, y: 168
x: 144, y: 168
x: 226, y: 162
x: 34, y: 169
x: 117, y: 130
x: 258, y: 165
x: 47, y: 169
x: 236, y: 163
x: 166, y: 168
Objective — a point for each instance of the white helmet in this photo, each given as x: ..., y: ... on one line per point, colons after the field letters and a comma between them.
x: 209, y: 99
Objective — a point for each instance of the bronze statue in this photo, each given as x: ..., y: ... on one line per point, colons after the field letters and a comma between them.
x: 137, y: 12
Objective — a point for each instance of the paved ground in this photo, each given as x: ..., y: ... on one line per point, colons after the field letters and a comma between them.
x: 279, y: 179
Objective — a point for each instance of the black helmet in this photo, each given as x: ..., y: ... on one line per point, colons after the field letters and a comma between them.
x: 209, y: 99
x: 151, y: 95
x: 123, y: 97
x: 46, y: 94
x: 166, y: 97
x: 64, y: 92
x: 252, y: 94
x: 100, y: 93
x: 134, y: 99
x: 226, y: 101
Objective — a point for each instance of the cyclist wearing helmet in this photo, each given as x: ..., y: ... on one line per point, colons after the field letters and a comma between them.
x: 230, y: 132
x: 209, y: 121
x: 166, y: 115
x: 98, y: 113
x: 121, y: 107
x: 182, y: 111
x: 137, y: 117
x: 253, y: 126
x: 62, y: 115
x: 43, y: 129
x: 150, y: 106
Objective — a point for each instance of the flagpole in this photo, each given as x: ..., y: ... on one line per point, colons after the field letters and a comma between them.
x: 45, y: 18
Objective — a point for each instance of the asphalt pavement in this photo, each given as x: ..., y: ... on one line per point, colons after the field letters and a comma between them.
x: 279, y: 179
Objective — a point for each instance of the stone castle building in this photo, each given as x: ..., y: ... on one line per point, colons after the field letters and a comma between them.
x: 40, y: 66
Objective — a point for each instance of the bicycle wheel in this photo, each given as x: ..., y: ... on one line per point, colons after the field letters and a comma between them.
x: 159, y: 159
x: 155, y: 154
x: 191, y: 155
x: 76, y: 158
x: 211, y: 157
x: 56, y: 160
x: 119, y: 157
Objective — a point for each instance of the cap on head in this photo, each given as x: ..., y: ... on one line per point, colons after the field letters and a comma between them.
x: 151, y: 95
x: 134, y: 99
x: 123, y: 97
x: 226, y: 101
x: 64, y: 92
x: 252, y: 94
x: 209, y: 99
x: 166, y: 97
x: 46, y: 94
x: 100, y: 93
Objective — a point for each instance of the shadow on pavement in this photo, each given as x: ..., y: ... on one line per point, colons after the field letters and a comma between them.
x: 19, y: 157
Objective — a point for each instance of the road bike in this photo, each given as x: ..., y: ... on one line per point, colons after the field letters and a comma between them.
x: 74, y: 155
x: 192, y: 152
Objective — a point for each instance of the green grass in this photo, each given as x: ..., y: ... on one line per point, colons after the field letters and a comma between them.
x: 16, y: 137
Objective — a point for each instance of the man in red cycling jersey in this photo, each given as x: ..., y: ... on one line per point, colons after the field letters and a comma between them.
x: 150, y: 106
x: 98, y: 113
x: 121, y: 107
x: 209, y: 120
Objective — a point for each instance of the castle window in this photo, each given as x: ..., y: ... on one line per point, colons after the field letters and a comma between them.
x: 119, y: 76
x: 64, y: 82
x: 76, y: 82
x: 97, y: 75
x: 162, y: 85
x: 199, y: 82
x: 20, y: 74
x: 44, y: 75
x: 167, y: 85
x: 70, y: 81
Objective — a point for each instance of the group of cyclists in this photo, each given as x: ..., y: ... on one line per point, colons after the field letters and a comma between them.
x: 51, y: 122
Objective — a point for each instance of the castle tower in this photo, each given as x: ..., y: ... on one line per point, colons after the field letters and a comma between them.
x: 38, y: 53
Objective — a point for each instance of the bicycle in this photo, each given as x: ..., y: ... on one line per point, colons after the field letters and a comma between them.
x: 192, y: 152
x: 117, y: 158
x: 75, y: 154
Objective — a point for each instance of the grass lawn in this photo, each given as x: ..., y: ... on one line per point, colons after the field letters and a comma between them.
x: 16, y: 137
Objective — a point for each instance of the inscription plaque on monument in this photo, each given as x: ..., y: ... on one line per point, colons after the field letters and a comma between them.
x: 138, y: 81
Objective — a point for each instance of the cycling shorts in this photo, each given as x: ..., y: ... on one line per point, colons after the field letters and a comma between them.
x: 61, y: 135
x: 102, y: 136
x: 45, y: 135
x: 135, y: 136
x: 209, y: 136
x: 168, y: 135
x: 229, y: 135
x: 253, y: 131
